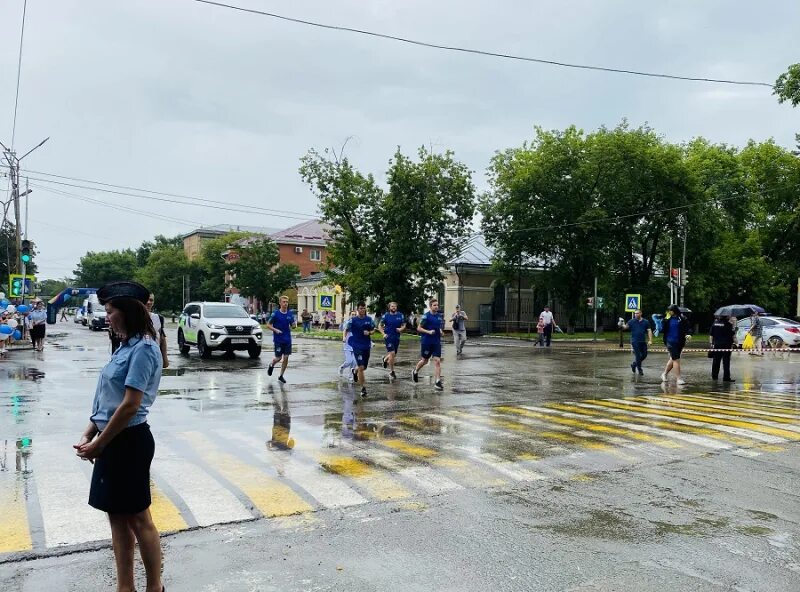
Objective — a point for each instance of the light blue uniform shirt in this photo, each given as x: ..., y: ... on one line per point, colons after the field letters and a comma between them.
x: 36, y: 316
x: 136, y: 364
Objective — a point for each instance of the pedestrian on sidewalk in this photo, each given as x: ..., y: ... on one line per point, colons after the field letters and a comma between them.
x: 757, y: 331
x: 676, y: 333
x: 641, y: 337
x: 118, y: 439
x: 63, y: 314
x: 540, y: 332
x: 306, y: 317
x: 458, y: 319
x: 158, y: 325
x: 723, y: 332
x: 280, y: 323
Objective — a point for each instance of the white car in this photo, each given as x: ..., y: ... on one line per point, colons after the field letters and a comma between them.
x: 218, y: 326
x: 776, y: 331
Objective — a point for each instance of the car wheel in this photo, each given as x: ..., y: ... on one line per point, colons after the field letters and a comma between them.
x: 254, y: 352
x: 202, y: 347
x: 182, y: 345
x: 775, y: 342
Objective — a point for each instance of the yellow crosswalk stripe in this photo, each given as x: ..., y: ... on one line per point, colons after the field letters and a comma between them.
x: 656, y: 423
x: 409, y: 449
x: 269, y: 495
x: 586, y: 425
x: 737, y: 403
x: 14, y: 532
x: 376, y: 483
x: 166, y: 515
x: 745, y: 425
x: 718, y: 409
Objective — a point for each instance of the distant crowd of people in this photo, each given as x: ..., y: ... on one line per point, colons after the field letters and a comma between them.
x: 20, y: 322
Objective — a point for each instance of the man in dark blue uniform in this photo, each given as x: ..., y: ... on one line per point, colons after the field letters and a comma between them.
x: 361, y: 327
x: 280, y: 323
x: 392, y: 324
x: 641, y: 337
x: 430, y: 328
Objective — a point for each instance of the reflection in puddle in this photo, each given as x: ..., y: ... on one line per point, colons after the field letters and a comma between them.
x: 21, y: 450
x: 281, y: 420
x: 25, y: 373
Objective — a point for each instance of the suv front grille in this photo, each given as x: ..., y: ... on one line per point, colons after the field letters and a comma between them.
x: 239, y: 330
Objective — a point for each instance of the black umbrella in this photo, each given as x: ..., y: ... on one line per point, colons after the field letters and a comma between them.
x: 736, y: 310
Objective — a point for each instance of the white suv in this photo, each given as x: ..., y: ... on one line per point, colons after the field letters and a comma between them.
x: 218, y: 326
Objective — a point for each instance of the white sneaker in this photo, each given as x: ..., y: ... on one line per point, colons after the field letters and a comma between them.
x: 681, y: 381
x: 663, y: 377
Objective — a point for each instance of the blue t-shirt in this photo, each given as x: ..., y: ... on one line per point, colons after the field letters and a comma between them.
x: 638, y: 330
x: 136, y: 364
x: 358, y: 341
x: 282, y: 321
x: 673, y: 330
x: 391, y: 323
x: 431, y: 321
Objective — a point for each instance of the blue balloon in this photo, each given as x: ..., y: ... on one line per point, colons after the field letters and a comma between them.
x: 17, y: 335
x: 23, y: 308
x: 4, y: 303
x: 6, y: 330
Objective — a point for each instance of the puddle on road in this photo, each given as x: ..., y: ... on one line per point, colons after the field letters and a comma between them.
x: 600, y: 524
x: 25, y: 373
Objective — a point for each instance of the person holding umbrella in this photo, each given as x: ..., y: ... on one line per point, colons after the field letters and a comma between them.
x: 757, y: 331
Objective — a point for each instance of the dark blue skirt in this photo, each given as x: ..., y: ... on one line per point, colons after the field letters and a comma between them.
x: 121, y: 476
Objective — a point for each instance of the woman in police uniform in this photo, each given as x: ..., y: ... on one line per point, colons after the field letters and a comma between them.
x: 118, y: 438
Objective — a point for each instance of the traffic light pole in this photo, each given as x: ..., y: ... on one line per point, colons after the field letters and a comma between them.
x: 22, y: 262
x: 595, y: 309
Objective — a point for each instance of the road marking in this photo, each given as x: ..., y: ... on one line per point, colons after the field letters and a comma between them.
x: 744, y: 428
x: 546, y: 415
x: 328, y: 490
x: 208, y: 500
x: 668, y: 433
x: 423, y: 478
x: 15, y: 534
x: 166, y: 516
x: 408, y: 449
x: 376, y: 484
x: 63, y: 491
x: 739, y: 405
x: 628, y: 416
x: 705, y: 407
x: 270, y: 496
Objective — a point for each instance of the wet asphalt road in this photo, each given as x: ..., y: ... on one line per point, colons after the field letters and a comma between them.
x: 533, y: 470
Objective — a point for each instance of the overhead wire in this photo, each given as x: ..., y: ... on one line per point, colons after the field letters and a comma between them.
x: 480, y: 52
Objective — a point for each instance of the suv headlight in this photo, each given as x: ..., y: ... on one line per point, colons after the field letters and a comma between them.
x: 216, y: 327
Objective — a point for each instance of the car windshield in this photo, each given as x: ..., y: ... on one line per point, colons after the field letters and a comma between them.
x: 220, y: 311
x: 787, y: 321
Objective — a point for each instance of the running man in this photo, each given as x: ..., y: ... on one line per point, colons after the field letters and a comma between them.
x: 392, y: 324
x: 280, y: 323
x: 430, y: 327
x: 361, y: 327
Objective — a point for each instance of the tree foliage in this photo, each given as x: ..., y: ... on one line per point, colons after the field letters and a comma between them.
x: 163, y: 273
x: 98, y: 268
x: 787, y: 86
x: 392, y: 244
x: 208, y: 275
x: 257, y: 272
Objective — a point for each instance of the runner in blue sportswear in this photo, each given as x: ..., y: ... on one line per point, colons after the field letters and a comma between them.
x: 280, y: 323
x: 392, y: 324
x: 361, y: 327
x: 430, y: 327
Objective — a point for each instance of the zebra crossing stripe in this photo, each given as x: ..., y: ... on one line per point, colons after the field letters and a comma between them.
x: 743, y: 428
x: 737, y: 404
x: 166, y: 515
x: 705, y: 407
x: 15, y: 534
x: 63, y: 489
x: 270, y: 496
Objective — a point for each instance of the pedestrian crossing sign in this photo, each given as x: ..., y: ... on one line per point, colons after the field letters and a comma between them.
x: 633, y: 302
x: 325, y: 301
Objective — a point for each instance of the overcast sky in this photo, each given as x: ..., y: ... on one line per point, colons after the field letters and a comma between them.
x: 186, y: 98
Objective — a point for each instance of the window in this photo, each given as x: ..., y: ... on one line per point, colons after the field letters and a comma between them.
x: 316, y: 255
x: 298, y: 249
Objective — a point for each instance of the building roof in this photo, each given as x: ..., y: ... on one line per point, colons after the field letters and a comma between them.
x: 221, y: 229
x: 313, y: 232
x: 476, y: 252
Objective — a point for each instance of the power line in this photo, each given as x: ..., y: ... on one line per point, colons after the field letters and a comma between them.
x: 19, y: 73
x: 252, y: 209
x: 482, y: 52
x: 166, y: 194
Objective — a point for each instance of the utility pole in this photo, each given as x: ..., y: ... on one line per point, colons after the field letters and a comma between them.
x: 595, y: 309
x: 683, y: 266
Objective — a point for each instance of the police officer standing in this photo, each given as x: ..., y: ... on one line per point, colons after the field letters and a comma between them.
x: 722, y: 335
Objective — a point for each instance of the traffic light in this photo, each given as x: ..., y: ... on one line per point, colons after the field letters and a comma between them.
x: 16, y: 287
x: 590, y: 302
x: 684, y: 276
x: 25, y: 254
x: 599, y: 302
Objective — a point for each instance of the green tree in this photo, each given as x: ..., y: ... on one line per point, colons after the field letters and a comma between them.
x: 208, y: 272
x: 787, y: 86
x: 98, y: 268
x: 392, y: 244
x: 49, y: 288
x: 159, y: 241
x: 256, y: 270
x: 164, y: 273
